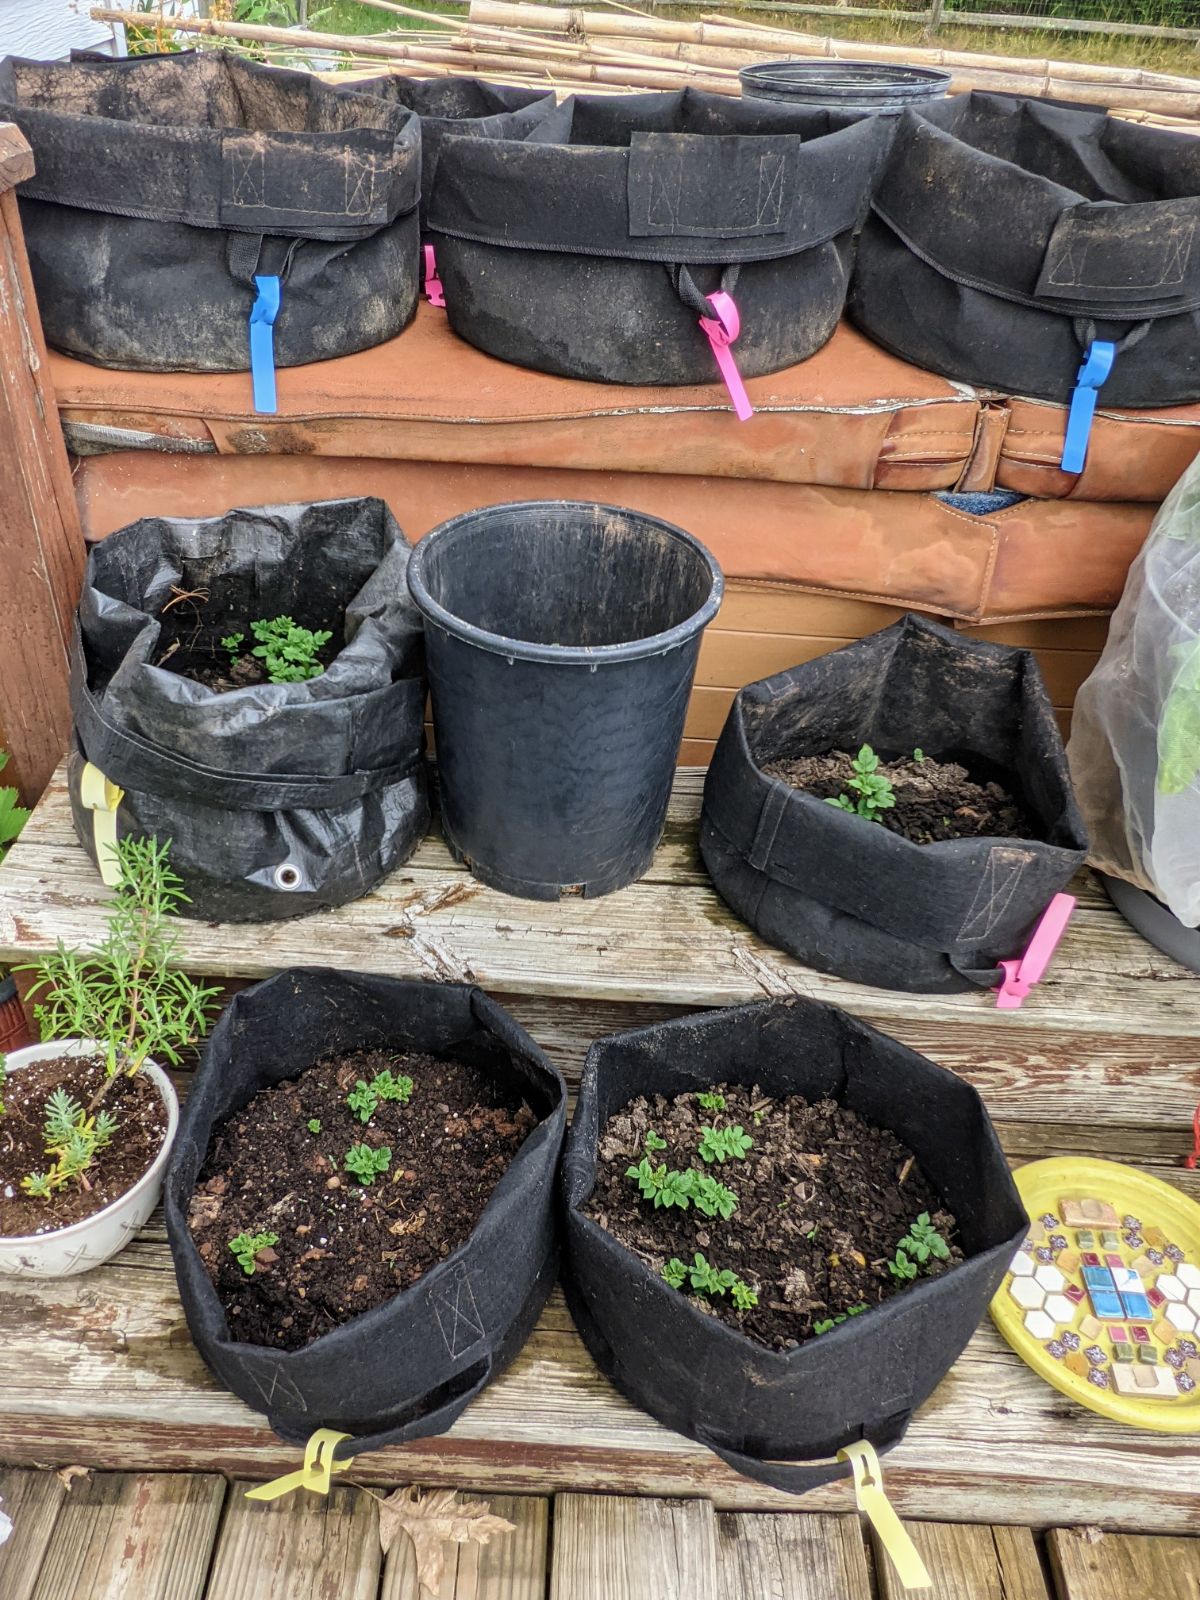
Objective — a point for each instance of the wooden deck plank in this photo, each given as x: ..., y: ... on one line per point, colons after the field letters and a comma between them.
x: 1090, y: 1565
x: 32, y: 1500
x: 612, y: 1547
x: 792, y: 1557
x: 304, y: 1547
x: 970, y: 1563
x: 659, y: 941
x: 121, y: 1536
x: 512, y: 1567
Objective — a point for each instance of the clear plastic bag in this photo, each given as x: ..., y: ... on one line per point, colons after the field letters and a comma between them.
x: 1135, y: 741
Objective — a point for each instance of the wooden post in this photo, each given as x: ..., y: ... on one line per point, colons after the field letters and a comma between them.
x: 41, y: 545
x: 935, y: 16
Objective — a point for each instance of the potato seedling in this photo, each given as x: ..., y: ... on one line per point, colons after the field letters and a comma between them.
x: 664, y: 1187
x: 288, y: 651
x: 74, y: 1139
x: 675, y: 1273
x: 901, y: 1268
x: 924, y: 1243
x: 366, y: 1164
x: 364, y: 1098
x: 705, y: 1279
x: 653, y: 1141
x: 711, y: 1102
x: 233, y: 642
x: 872, y: 792
x: 712, y: 1198
x: 722, y: 1144
x: 314, y: 1124
x: 246, y: 1247
x: 832, y: 1322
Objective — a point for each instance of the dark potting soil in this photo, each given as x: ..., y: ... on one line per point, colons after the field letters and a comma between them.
x: 935, y: 800
x: 190, y: 645
x: 823, y: 1197
x: 141, y: 1127
x: 344, y: 1247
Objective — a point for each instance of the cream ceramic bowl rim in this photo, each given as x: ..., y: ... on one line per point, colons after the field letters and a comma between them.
x: 166, y: 1089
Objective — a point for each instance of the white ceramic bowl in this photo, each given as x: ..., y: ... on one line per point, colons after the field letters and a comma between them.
x: 90, y: 1243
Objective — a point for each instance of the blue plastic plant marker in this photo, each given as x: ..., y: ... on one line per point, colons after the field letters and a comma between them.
x: 1098, y: 362
x: 262, y: 341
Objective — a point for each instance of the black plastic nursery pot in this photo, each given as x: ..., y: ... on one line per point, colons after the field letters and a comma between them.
x: 407, y: 1369
x: 1155, y: 921
x: 777, y: 1416
x: 278, y: 798
x: 455, y: 106
x: 844, y: 894
x: 591, y: 247
x: 867, y: 87
x: 1007, y: 235
x: 166, y: 185
x: 561, y: 639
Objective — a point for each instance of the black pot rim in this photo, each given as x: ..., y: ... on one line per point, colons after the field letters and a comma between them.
x: 457, y: 528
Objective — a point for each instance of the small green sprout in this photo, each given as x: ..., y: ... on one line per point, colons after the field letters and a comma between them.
x: 924, y: 1243
x: 744, y: 1297
x: 712, y: 1198
x: 246, y: 1247
x: 832, y: 1322
x: 757, y: 1117
x: 675, y: 1273
x: 706, y: 1279
x: 363, y: 1100
x: 902, y: 1269
x: 288, y: 651
x: 711, y: 1102
x: 720, y: 1144
x: 813, y: 1234
x: 664, y: 1187
x: 366, y: 1164
x: 874, y: 792
x: 653, y: 1141
x: 233, y: 642
x: 388, y: 1087
x: 314, y: 1124
x: 918, y: 755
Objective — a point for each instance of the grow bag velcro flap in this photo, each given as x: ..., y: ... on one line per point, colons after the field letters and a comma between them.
x: 683, y: 178
x: 915, y: 684
x: 216, y: 142
x: 407, y: 1369
x: 779, y: 1415
x: 322, y: 742
x: 1037, y: 202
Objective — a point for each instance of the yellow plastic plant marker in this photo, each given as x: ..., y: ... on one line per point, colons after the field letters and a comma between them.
x: 877, y: 1508
x: 316, y: 1473
x: 102, y: 798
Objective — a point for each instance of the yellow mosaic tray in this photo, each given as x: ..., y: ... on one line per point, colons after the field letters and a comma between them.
x: 1103, y: 1298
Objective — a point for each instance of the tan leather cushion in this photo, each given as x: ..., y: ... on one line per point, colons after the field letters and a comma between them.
x: 1037, y: 559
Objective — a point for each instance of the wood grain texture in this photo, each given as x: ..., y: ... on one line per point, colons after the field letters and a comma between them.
x: 1090, y: 1565
x: 133, y: 1537
x: 511, y: 1567
x: 304, y: 1547
x: 16, y: 158
x: 39, y: 523
x: 617, y: 1548
x: 659, y: 940
x: 797, y: 1557
x: 969, y: 1563
x: 32, y: 1500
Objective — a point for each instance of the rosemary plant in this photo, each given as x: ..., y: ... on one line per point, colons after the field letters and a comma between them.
x: 128, y: 994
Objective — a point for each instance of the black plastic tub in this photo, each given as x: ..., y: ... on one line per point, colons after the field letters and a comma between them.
x: 167, y: 186
x: 846, y: 895
x: 777, y: 1416
x: 1010, y: 236
x: 862, y: 86
x: 561, y: 640
x: 407, y: 1369
x: 593, y: 247
x: 1156, y: 922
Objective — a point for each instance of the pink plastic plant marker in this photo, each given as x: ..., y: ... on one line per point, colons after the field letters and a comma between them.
x: 721, y: 331
x: 434, y: 292
x: 1020, y: 976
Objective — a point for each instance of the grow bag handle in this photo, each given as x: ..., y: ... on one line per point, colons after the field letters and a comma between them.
x: 798, y: 1477
x: 133, y: 762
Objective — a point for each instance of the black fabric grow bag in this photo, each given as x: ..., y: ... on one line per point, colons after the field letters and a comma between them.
x: 589, y: 248
x: 774, y: 1415
x: 409, y: 1368
x: 846, y: 895
x: 281, y: 798
x: 164, y: 184
x: 450, y: 106
x: 1006, y: 234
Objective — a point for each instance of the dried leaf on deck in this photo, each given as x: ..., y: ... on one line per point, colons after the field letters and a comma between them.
x: 65, y: 1475
x: 433, y: 1520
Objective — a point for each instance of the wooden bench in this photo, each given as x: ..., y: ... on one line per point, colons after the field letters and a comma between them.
x: 1103, y: 1059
